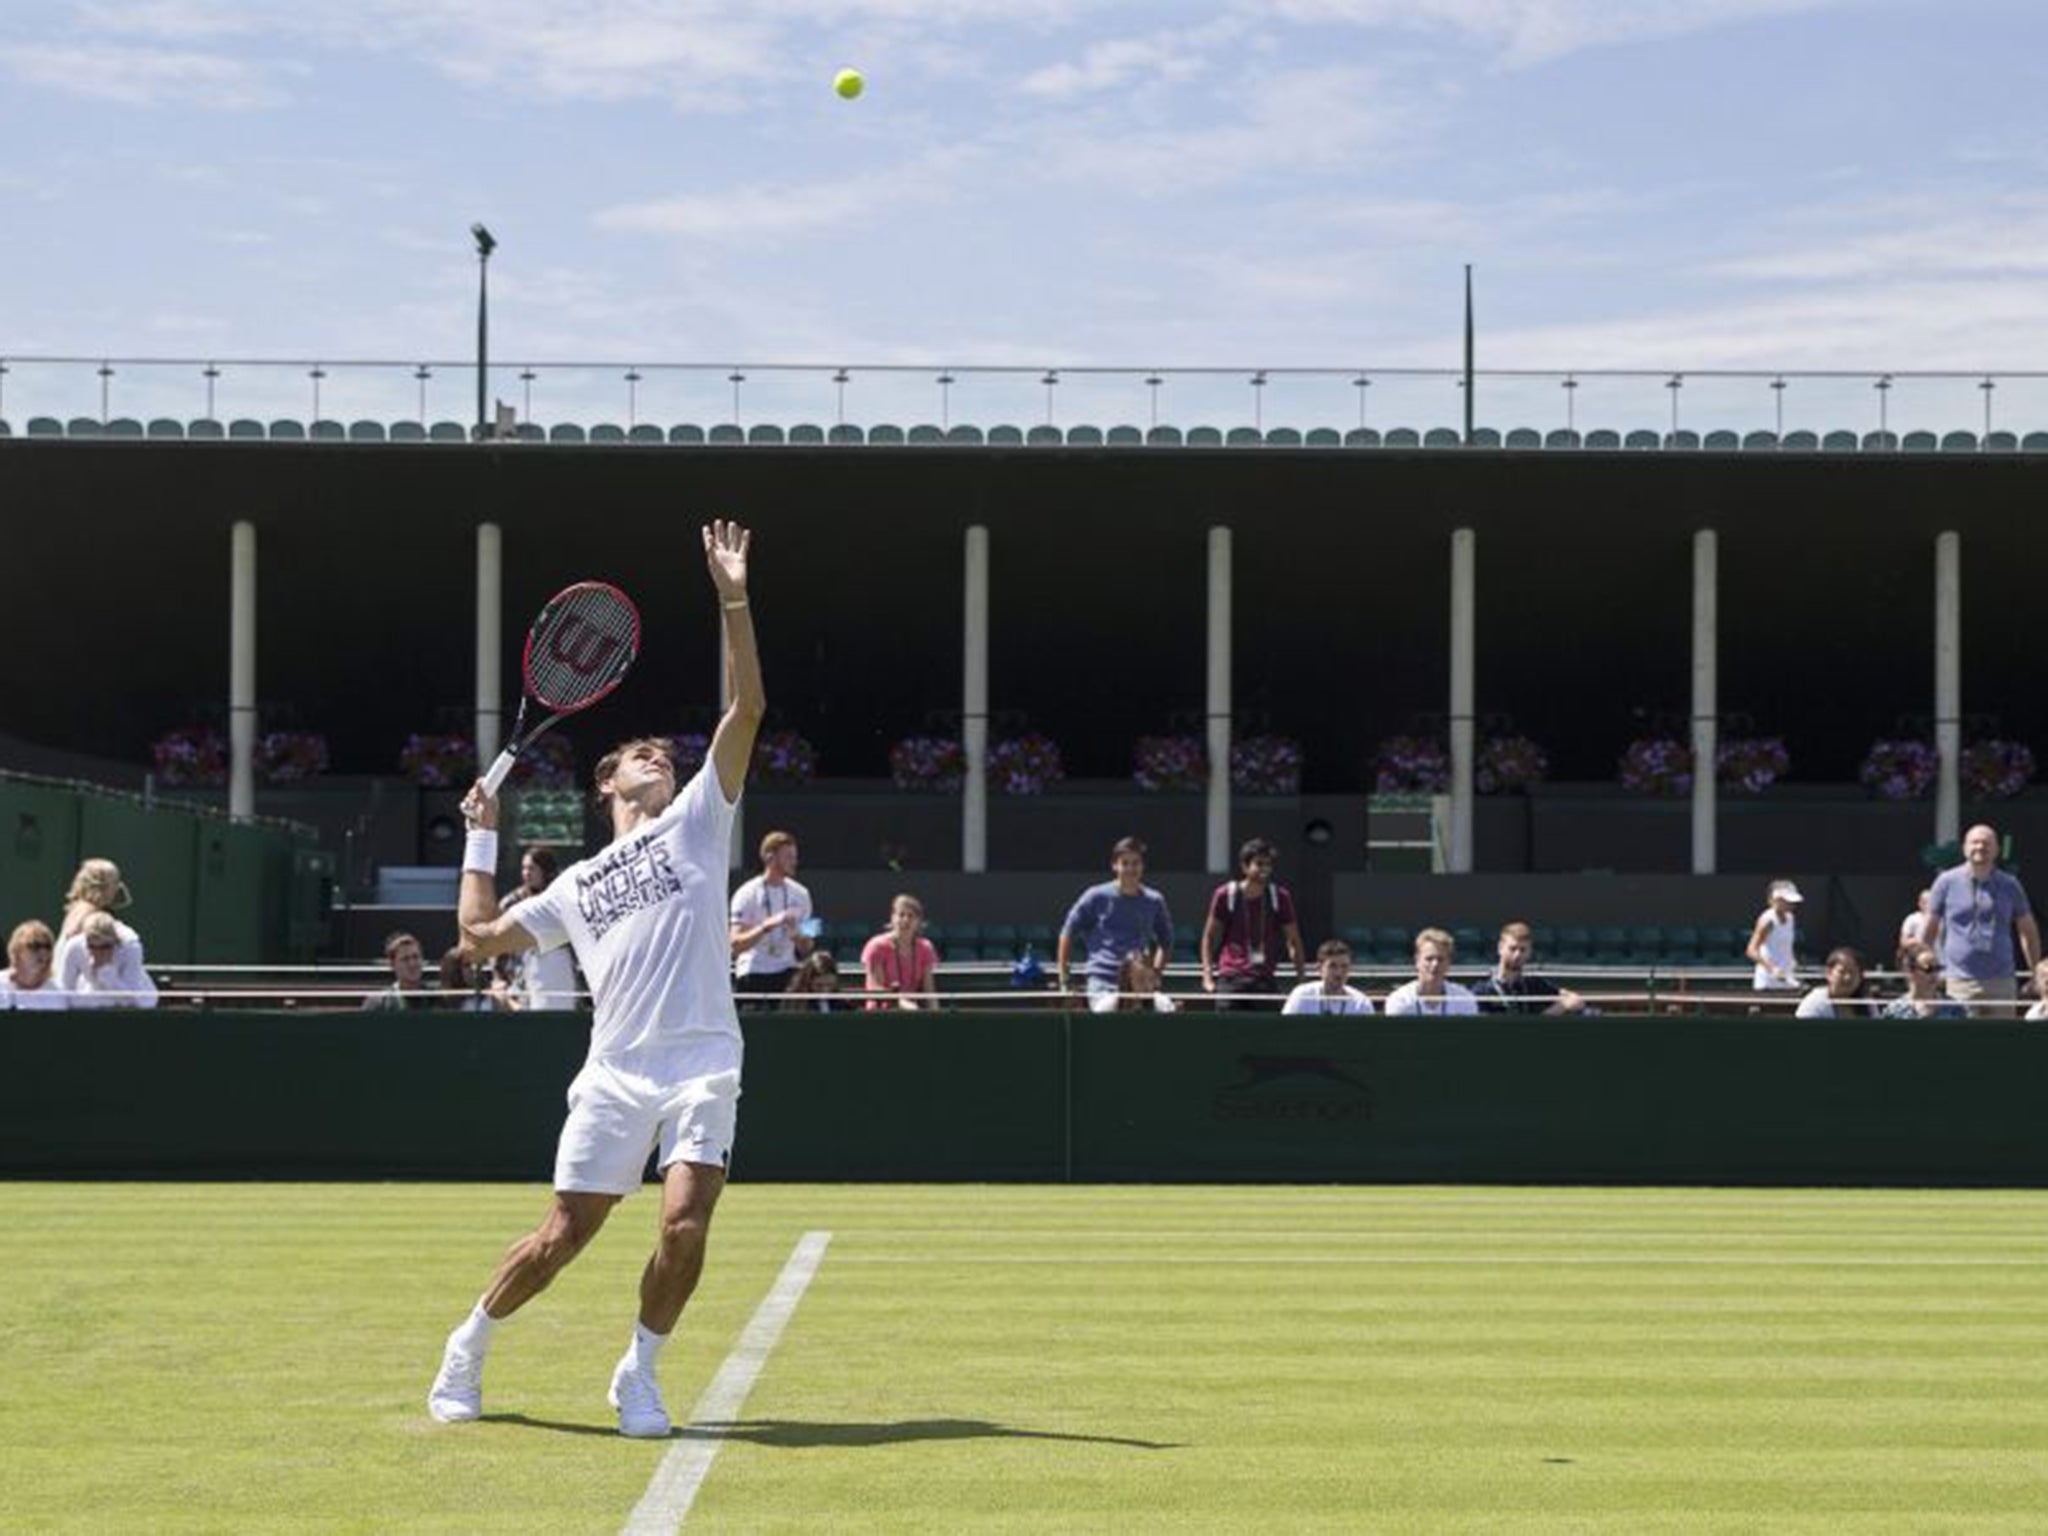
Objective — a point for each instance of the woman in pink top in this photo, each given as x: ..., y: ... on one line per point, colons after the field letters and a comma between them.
x: 901, y: 962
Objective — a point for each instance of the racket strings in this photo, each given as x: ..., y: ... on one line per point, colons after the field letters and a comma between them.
x: 581, y: 647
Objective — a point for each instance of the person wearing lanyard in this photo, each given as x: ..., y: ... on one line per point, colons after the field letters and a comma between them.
x: 900, y: 962
x: 771, y: 923
x: 1253, y: 917
x: 1973, y: 911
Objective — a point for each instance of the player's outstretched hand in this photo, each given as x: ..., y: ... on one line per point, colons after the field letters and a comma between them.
x: 725, y: 551
x: 479, y: 809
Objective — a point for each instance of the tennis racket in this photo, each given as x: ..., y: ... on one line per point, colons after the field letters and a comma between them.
x: 577, y: 652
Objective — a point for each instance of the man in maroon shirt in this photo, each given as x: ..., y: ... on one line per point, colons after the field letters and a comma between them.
x: 1252, y: 917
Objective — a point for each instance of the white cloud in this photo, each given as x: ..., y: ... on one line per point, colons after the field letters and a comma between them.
x: 768, y: 212
x: 144, y: 77
x: 1985, y: 234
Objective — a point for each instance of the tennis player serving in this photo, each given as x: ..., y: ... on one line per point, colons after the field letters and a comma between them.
x: 647, y: 919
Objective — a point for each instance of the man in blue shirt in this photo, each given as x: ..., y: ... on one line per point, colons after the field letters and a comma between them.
x: 1972, y: 912
x: 1118, y: 918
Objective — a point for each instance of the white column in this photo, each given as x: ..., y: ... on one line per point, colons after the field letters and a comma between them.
x: 974, y: 706
x: 1464, y: 630
x: 1948, y: 684
x: 242, y: 673
x: 1706, y: 702
x: 490, y: 641
x: 1216, y: 841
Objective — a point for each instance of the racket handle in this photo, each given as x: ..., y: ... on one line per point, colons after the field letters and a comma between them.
x: 496, y: 774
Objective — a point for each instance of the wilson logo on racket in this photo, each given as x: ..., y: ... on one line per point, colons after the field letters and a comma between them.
x: 579, y: 647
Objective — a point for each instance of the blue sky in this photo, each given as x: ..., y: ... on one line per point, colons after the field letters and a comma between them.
x: 1658, y: 184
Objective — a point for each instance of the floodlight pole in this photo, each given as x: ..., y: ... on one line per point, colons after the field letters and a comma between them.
x: 485, y: 244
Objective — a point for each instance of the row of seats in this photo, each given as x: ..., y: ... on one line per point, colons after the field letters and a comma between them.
x: 884, y: 435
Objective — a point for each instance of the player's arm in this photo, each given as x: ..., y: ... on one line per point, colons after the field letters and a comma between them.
x: 732, y: 745
x: 486, y: 933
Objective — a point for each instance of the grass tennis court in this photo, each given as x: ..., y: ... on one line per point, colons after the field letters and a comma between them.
x: 254, y: 1357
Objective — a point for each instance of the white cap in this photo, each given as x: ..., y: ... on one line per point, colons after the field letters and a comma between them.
x: 1785, y: 889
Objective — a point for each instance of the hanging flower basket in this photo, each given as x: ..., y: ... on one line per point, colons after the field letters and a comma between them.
x: 1265, y: 765
x: 1899, y: 770
x: 439, y: 762
x: 1025, y: 765
x: 1995, y: 770
x: 1411, y: 765
x: 1752, y: 764
x: 1170, y: 764
x: 784, y: 760
x: 1656, y: 765
x: 191, y: 757
x: 1508, y: 765
x: 928, y: 765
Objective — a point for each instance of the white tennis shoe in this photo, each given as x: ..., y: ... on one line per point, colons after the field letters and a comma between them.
x: 457, y: 1395
x: 637, y: 1396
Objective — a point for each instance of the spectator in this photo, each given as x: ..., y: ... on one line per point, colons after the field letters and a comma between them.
x: 30, y: 980
x: 468, y: 988
x: 1138, y: 989
x: 1914, y: 929
x: 1331, y: 991
x: 542, y: 982
x: 2040, y: 1008
x: 101, y: 968
x: 1923, y: 999
x: 771, y: 921
x: 1511, y: 989
x: 1252, y: 916
x: 97, y: 887
x: 1120, y: 917
x: 814, y: 985
x: 1432, y: 990
x: 901, y: 962
x: 1841, y: 996
x: 408, y: 964
x: 1774, y: 941
x: 1971, y: 914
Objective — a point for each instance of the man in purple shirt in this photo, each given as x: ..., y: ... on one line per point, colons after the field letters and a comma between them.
x: 1972, y: 912
x: 1253, y: 920
x: 1113, y: 921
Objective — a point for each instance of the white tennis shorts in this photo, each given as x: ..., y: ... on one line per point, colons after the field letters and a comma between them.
x: 616, y: 1120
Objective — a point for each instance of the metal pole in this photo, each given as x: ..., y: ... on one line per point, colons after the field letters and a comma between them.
x: 1948, y: 684
x: 1216, y: 841
x: 490, y: 648
x: 485, y: 244
x: 242, y: 673
x: 1706, y: 704
x: 974, y: 706
x: 1464, y: 632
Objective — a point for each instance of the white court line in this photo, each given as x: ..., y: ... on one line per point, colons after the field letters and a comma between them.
x: 676, y: 1481
x: 1083, y: 1260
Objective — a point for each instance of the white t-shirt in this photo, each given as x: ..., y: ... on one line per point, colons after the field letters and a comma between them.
x: 1408, y: 998
x: 2039, y: 1010
x: 752, y: 905
x: 49, y: 995
x: 547, y: 980
x: 647, y: 919
x: 1309, y: 997
x: 1816, y: 1005
x: 121, y: 983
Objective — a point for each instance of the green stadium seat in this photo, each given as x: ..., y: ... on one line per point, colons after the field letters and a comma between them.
x: 807, y: 435
x: 529, y: 432
x: 1800, y: 442
x: 1044, y: 435
x: 1603, y: 439
x: 607, y: 432
x: 366, y: 432
x: 165, y: 426
x: 1838, y: 442
x: 1471, y: 943
x: 1880, y: 442
x: 1723, y: 946
x: 2000, y: 442
x: 964, y: 436
x: 285, y: 430
x: 1163, y: 437
x: 1760, y: 442
x: 1358, y: 937
x: 645, y: 432
x: 925, y: 435
x: 1520, y: 438
x: 1721, y: 442
x: 1645, y: 945
x: 1005, y: 437
x: 1574, y: 944
x: 1442, y: 437
x: 327, y: 430
x: 886, y: 434
x: 1283, y: 437
x: 243, y: 427
x: 845, y: 434
x: 5, y: 429
x: 1362, y: 437
x: 689, y: 434
x: 1393, y: 944
x: 1610, y: 945
x: 1918, y: 442
x: 1959, y: 442
x: 1682, y: 946
x: 1640, y: 439
x: 1402, y: 437
x: 1123, y: 437
x: 1204, y: 437
x: 83, y: 426
x: 1244, y: 437
x: 1323, y: 437
x: 1084, y: 437
x: 122, y: 426
x: 2034, y: 442
x: 1561, y: 437
x: 1484, y: 437
x: 45, y: 426
x: 408, y: 432
x: 728, y: 433
x: 566, y: 432
x: 963, y: 933
x: 1684, y: 438
x: 1544, y: 937
x: 765, y: 434
x: 447, y: 432
x: 205, y: 427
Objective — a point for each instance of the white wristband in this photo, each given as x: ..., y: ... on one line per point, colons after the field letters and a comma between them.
x: 480, y: 851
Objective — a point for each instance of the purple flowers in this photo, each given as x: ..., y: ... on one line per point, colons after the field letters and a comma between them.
x: 290, y: 757
x: 1265, y: 765
x: 1751, y: 764
x: 438, y: 762
x: 1899, y: 770
x: 690, y: 749
x: 1656, y: 765
x: 1995, y: 770
x: 1508, y: 764
x: 784, y: 760
x: 930, y: 765
x: 1169, y: 764
x: 1406, y: 765
x: 1025, y: 765
x: 549, y: 763
x: 191, y: 755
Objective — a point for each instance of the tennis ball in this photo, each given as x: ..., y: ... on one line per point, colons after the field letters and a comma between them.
x: 849, y: 83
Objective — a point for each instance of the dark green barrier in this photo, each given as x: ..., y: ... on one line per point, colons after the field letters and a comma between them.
x: 1051, y: 1096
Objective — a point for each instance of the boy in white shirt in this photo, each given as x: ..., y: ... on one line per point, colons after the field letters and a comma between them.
x: 1331, y: 991
x: 769, y: 914
x: 1432, y: 990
